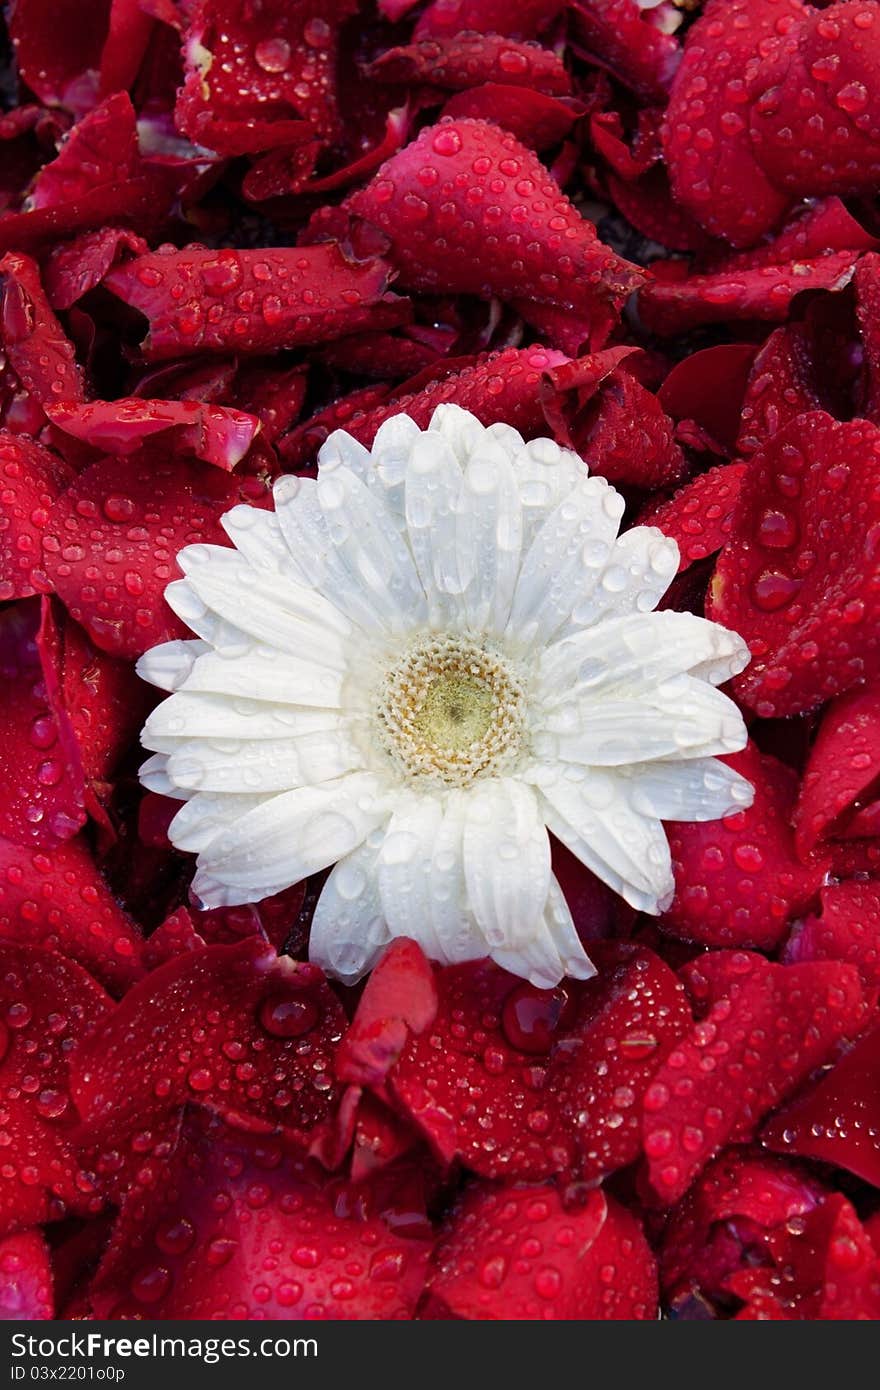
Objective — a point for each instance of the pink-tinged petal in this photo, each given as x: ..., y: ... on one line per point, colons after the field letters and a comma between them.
x: 842, y: 768
x: 699, y: 517
x: 536, y: 120
x: 848, y: 929
x: 725, y: 1221
x: 764, y: 1029
x: 216, y: 434
x: 31, y: 479
x: 197, y: 300
x: 739, y: 880
x: 708, y: 149
x: 237, y: 1229
x: 38, y: 351
x: 47, y: 1007
x: 237, y: 1029
x: 467, y: 59
x: 260, y: 77
x: 516, y: 1253
x: 444, y: 18
x: 112, y: 538
x: 25, y: 1278
x: 400, y: 998
x: 619, y: 35
x: 468, y: 209
x: 813, y: 112
x: 678, y: 303
x: 837, y: 1119
x: 42, y: 782
x: 798, y: 578
x: 58, y: 899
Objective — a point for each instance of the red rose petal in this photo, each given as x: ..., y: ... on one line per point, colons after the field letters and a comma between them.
x: 174, y: 937
x: 25, y: 1278
x: 709, y: 387
x: 262, y: 77
x: 241, y: 1231
x: 448, y: 17
x: 213, y: 433
x: 739, y: 880
x: 400, y: 998
x: 837, y: 1119
x: 766, y: 1027
x: 30, y: 481
x: 516, y: 1253
x: 619, y: 34
x: 38, y: 350
x: 712, y: 165
x: 237, y: 1029
x: 56, y: 898
x: 47, y: 1006
x: 102, y: 148
x: 699, y: 517
x: 867, y: 286
x: 468, y: 209
x: 75, y: 267
x: 112, y: 538
x: 536, y: 120
x: 41, y: 773
x: 193, y: 298
x: 797, y: 578
x: 623, y: 431
x: 843, y: 765
x: 848, y: 929
x: 781, y: 386
x: 466, y: 59
x: 57, y: 54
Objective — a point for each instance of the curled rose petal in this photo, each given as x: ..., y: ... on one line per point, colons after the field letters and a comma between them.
x: 524, y: 21
x: 198, y: 300
x: 400, y: 997
x: 842, y: 768
x: 798, y: 578
x: 237, y: 1029
x: 38, y: 350
x: 31, y: 479
x: 214, y: 433
x: 467, y: 59
x: 57, y: 54
x: 518, y: 1253
x: 77, y: 266
x: 764, y: 1028
x: 619, y: 34
x: 848, y: 928
x: 25, y: 1278
x: 112, y: 538
x: 535, y: 119
x: 469, y: 210
x: 708, y: 387
x: 782, y: 385
x: 699, y: 517
x: 739, y: 880
x: 101, y: 148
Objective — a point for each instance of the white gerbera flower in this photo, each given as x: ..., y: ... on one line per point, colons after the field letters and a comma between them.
x: 418, y: 665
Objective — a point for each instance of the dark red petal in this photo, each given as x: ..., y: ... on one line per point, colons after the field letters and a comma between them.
x: 675, y: 305
x: 30, y: 480
x: 782, y: 385
x: 111, y: 542
x: 260, y: 77
x: 468, y: 209
x: 847, y: 929
x: 723, y: 1222
x: 466, y: 59
x: 739, y: 880
x: 25, y: 1278
x: 842, y: 768
x: 867, y: 287
x: 128, y: 34
x: 536, y: 120
x: 798, y: 578
x: 57, y: 898
x: 214, y: 433
x: 707, y: 145
x: 101, y: 148
x: 235, y: 1028
x: 626, y: 434
x: 400, y: 998
x: 517, y: 1253
x: 447, y: 17
x: 57, y: 54
x: 813, y: 111
x: 699, y: 517
x: 837, y: 1120
x: 47, y: 1006
x: 708, y: 387
x: 248, y: 301
x: 174, y: 937
x: 619, y: 35
x: 238, y: 1230
x: 75, y: 267
x: 38, y: 350
x: 766, y: 1027
x: 41, y: 774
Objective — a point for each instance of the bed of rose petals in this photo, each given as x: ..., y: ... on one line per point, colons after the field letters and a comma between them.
x: 230, y: 227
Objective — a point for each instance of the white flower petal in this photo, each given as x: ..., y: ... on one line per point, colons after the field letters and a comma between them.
x: 454, y: 925
x: 256, y: 534
x: 642, y: 565
x: 404, y: 870
x: 560, y: 924
x: 700, y: 790
x: 201, y: 819
x: 349, y: 931
x: 286, y: 838
x: 590, y: 814
x: 506, y: 862
x: 193, y: 715
x: 545, y: 475
x: 635, y: 654
x: 393, y: 441
x: 171, y: 663
x: 489, y: 536
x: 263, y: 673
x: 371, y: 548
x: 432, y: 493
x: 683, y: 718
x: 461, y: 430
x: 262, y: 766
x: 154, y: 776
x: 567, y: 559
